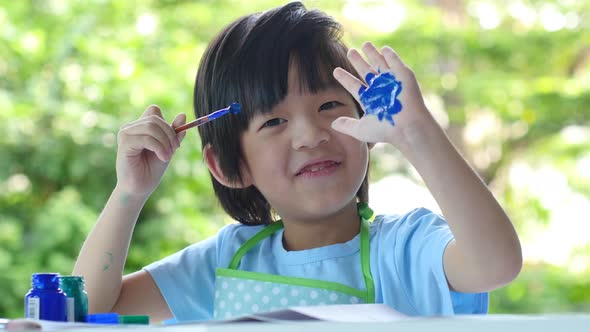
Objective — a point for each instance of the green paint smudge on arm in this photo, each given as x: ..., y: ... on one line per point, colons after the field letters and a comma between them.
x: 124, y: 199
x: 109, y: 261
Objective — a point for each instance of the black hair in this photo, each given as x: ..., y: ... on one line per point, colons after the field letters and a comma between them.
x: 248, y: 62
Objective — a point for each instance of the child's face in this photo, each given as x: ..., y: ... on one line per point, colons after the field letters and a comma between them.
x: 303, y: 167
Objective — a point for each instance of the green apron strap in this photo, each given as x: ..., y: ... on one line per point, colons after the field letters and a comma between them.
x: 366, y: 261
x: 267, y: 231
x: 367, y: 215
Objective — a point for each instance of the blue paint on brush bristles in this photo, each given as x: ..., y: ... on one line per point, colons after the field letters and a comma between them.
x: 380, y: 98
x: 234, y: 108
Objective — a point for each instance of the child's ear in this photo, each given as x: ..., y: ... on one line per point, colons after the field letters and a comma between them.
x: 212, y: 162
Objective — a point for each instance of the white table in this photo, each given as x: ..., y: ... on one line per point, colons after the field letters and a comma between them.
x: 495, y: 323
x: 502, y: 323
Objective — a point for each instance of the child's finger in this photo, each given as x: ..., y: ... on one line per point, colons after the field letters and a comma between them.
x: 150, y: 128
x: 179, y: 120
x: 349, y: 82
x: 135, y: 144
x: 361, y: 66
x: 150, y: 143
x: 154, y: 113
x: 152, y: 110
x: 181, y: 137
x: 393, y: 60
x: 164, y: 127
x: 376, y: 59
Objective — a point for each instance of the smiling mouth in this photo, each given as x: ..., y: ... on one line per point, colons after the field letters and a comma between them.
x: 319, y: 168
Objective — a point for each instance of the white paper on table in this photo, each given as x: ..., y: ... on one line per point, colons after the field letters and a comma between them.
x: 332, y: 313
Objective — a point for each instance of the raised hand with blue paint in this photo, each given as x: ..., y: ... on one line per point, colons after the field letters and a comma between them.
x: 390, y: 96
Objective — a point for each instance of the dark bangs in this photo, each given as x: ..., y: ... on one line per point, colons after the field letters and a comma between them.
x: 248, y: 62
x: 289, y: 38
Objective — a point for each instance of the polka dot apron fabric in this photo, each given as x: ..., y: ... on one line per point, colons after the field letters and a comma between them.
x: 239, y: 293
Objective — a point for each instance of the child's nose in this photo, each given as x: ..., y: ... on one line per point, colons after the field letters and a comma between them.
x: 309, y: 134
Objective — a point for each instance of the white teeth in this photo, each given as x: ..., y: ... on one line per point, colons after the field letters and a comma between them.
x: 317, y: 168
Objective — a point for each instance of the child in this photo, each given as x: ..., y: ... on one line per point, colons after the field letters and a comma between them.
x: 299, y: 151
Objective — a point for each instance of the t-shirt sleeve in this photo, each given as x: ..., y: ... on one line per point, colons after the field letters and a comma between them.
x: 421, y: 238
x: 186, y: 280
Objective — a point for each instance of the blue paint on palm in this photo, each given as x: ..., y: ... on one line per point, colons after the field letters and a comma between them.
x: 380, y: 98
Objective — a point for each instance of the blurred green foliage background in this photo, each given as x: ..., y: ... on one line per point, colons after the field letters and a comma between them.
x: 509, y: 81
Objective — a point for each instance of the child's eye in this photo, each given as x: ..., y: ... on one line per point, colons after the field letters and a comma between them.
x: 330, y: 105
x: 274, y: 122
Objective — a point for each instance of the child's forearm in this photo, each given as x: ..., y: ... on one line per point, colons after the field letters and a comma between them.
x: 104, y: 252
x: 489, y: 253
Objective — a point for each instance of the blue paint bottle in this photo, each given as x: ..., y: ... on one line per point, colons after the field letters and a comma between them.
x: 46, y: 300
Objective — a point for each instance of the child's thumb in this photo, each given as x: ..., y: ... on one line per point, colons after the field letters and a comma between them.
x: 345, y: 125
x: 179, y: 120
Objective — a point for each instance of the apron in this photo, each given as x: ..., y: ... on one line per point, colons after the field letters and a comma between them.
x: 239, y: 293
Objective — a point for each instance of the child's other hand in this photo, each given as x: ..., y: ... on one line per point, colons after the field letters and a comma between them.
x: 393, y: 104
x: 146, y: 147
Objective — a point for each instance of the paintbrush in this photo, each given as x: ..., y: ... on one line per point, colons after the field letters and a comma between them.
x: 233, y: 109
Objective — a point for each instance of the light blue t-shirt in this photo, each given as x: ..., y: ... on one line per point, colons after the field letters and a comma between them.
x: 406, y: 264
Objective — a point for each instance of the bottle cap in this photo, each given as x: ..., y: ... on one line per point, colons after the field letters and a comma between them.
x: 71, y: 282
x: 103, y: 318
x: 72, y: 279
x: 45, y: 280
x: 134, y: 319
